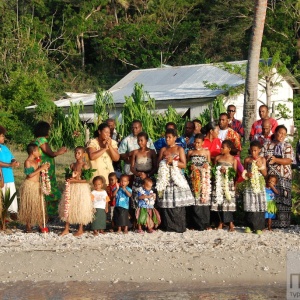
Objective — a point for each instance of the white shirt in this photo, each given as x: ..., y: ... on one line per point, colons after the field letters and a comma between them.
x: 222, y: 134
x: 99, y: 199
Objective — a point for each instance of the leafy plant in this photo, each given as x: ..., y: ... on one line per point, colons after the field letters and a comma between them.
x: 87, y: 174
x: 6, y: 203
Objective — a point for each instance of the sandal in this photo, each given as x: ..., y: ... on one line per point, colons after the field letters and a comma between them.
x: 248, y: 230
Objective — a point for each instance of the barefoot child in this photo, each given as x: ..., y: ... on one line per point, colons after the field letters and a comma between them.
x: 121, y: 214
x: 100, y: 200
x: 223, y: 195
x: 76, y: 206
x: 199, y: 214
x: 31, y: 201
x: 112, y: 186
x: 254, y: 194
x: 143, y: 165
x: 271, y: 192
x: 146, y: 214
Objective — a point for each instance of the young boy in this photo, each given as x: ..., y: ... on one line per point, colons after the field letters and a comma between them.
x: 123, y: 194
x: 31, y: 200
x: 112, y: 186
x: 271, y: 192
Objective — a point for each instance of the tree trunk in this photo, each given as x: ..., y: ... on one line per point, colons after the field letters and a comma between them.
x: 251, y: 86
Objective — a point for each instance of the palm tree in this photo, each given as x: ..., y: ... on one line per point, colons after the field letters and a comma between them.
x: 251, y: 86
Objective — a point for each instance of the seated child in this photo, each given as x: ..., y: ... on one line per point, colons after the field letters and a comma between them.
x: 76, y: 206
x: 271, y: 192
x: 121, y: 211
x: 146, y: 214
x: 101, y: 200
x: 32, y: 204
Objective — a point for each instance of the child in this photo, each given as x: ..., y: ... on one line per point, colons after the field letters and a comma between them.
x: 31, y: 200
x: 101, y: 200
x: 143, y: 165
x: 111, y: 188
x: 271, y: 191
x: 76, y: 206
x: 146, y: 214
x: 223, y: 196
x: 254, y: 195
x: 200, y: 184
x: 123, y: 193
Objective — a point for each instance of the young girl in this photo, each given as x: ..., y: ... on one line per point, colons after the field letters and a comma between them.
x: 143, y: 165
x: 32, y: 205
x: 254, y: 194
x: 200, y: 184
x: 101, y: 200
x: 271, y: 191
x: 76, y: 206
x: 146, y: 214
x: 121, y: 214
x: 112, y: 186
x: 174, y: 193
x: 223, y: 195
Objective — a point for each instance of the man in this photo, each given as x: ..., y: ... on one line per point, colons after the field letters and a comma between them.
x: 188, y: 136
x: 266, y: 132
x: 234, y: 124
x: 161, y: 142
x: 257, y: 125
x: 129, y: 143
x: 113, y: 132
x: 198, y: 126
x: 226, y: 133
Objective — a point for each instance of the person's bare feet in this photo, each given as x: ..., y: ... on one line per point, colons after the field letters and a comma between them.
x: 95, y: 232
x: 125, y: 231
x: 65, y: 232
x: 231, y: 227
x: 220, y: 226
x: 102, y: 231
x: 78, y: 233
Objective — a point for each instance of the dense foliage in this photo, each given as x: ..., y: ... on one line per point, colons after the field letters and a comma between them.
x: 51, y: 46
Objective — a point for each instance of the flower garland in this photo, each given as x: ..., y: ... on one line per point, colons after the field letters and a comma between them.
x: 165, y: 173
x: 222, y: 184
x: 46, y: 184
x: 206, y: 184
x: 256, y: 181
x: 67, y: 200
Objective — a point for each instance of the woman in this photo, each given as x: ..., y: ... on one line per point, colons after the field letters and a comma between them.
x: 41, y: 133
x: 211, y: 140
x: 173, y: 190
x: 102, y: 151
x: 280, y: 155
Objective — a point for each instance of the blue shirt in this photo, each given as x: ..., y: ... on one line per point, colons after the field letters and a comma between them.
x: 122, y: 200
x: 6, y: 157
x: 146, y: 202
x: 160, y: 143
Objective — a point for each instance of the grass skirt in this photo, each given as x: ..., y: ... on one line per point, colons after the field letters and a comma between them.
x: 81, y: 209
x: 148, y: 216
x: 31, y: 204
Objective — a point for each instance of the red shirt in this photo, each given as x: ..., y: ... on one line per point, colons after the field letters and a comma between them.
x: 213, y: 146
x: 257, y: 127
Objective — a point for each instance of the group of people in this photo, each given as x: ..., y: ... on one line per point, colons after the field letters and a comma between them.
x: 192, y: 180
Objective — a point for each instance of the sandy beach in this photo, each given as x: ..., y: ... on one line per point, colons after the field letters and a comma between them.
x: 207, y: 258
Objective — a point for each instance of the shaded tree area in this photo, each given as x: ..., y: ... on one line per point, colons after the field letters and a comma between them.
x: 51, y: 46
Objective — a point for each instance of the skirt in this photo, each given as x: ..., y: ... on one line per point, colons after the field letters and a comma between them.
x: 254, y: 202
x: 198, y: 217
x: 173, y: 219
x: 255, y: 220
x: 99, y: 219
x: 80, y: 208
x: 149, y: 217
x: 32, y: 205
x: 121, y: 216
